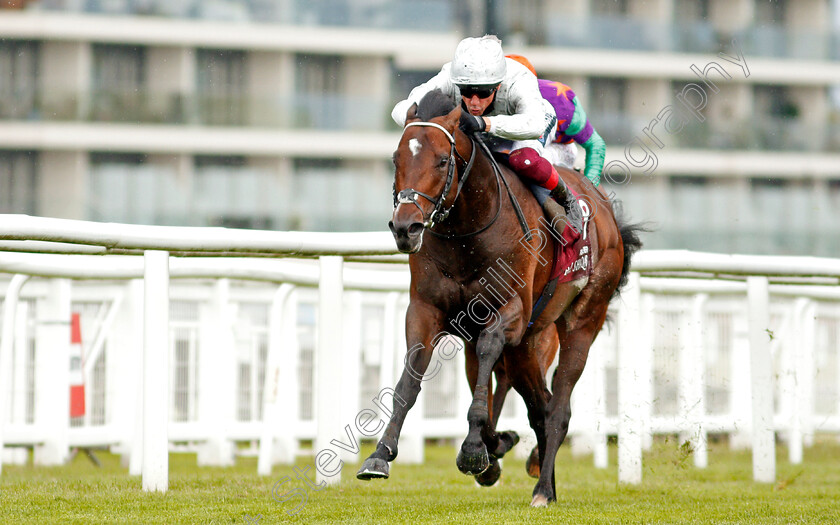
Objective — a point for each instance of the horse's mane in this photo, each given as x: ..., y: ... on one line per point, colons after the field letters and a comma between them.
x: 435, y: 103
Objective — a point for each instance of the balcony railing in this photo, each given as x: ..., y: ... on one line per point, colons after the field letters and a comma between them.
x: 762, y: 133
x: 420, y: 15
x: 340, y: 112
x: 614, y: 32
x: 343, y: 112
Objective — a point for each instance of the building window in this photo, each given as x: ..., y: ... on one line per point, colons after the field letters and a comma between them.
x: 308, y: 164
x: 771, y: 12
x: 126, y: 188
x: 693, y: 132
x: 523, y: 22
x: 775, y: 102
x: 403, y: 81
x: 119, y: 78
x: 775, y: 214
x: 777, y: 122
x: 607, y: 108
x: 18, y: 182
x: 691, y: 11
x: 221, y: 87
x: 692, y: 30
x: 607, y: 95
x: 228, y: 192
x: 608, y: 7
x: 318, y: 84
x: 18, y: 83
x: 359, y: 195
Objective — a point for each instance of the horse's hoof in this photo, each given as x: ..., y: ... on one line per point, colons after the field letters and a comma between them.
x: 489, y: 477
x: 475, y: 463
x: 373, y: 468
x: 510, y: 438
x: 533, y: 464
x: 507, y: 440
x: 539, y: 501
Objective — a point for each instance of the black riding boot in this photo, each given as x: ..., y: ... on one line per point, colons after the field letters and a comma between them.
x: 570, y: 205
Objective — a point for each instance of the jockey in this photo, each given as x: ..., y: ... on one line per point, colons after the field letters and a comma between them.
x: 500, y: 98
x: 572, y: 126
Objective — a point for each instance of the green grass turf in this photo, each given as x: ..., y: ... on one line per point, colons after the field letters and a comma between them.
x: 673, y: 491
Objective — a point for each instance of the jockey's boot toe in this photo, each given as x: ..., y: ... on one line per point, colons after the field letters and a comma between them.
x: 570, y: 205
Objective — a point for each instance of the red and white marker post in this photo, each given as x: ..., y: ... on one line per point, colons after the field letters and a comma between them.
x: 77, y: 380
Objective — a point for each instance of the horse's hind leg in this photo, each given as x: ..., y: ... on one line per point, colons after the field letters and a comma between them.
x: 507, y: 438
x: 424, y: 323
x: 500, y: 393
x: 576, y: 336
x: 528, y: 378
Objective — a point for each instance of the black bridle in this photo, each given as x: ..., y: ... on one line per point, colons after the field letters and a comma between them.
x: 409, y: 195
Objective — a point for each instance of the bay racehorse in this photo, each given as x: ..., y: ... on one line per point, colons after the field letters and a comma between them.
x: 478, y: 251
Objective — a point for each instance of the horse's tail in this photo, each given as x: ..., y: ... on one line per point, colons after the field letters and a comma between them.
x: 630, y: 239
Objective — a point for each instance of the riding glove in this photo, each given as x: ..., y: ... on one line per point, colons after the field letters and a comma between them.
x: 471, y: 123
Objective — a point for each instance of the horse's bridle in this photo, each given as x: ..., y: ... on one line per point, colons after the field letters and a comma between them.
x: 409, y: 195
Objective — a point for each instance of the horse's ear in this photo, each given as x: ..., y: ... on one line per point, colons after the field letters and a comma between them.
x: 453, y: 118
x: 411, y: 114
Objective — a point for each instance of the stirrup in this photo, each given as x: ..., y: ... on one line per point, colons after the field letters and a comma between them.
x: 560, y: 193
x: 573, y: 213
x: 565, y: 197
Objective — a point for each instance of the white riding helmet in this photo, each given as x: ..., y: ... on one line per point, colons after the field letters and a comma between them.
x: 478, y: 61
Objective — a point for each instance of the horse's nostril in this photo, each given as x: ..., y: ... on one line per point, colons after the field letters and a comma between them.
x: 391, y: 226
x: 415, y: 229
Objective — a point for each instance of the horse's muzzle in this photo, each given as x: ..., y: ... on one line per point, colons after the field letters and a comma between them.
x: 409, y: 235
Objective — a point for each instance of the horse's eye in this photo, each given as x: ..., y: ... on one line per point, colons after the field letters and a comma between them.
x: 443, y: 161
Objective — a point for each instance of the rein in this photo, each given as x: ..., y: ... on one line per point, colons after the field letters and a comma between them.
x: 516, y: 208
x: 409, y: 195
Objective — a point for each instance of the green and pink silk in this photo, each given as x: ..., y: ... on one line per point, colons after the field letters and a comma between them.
x: 573, y: 126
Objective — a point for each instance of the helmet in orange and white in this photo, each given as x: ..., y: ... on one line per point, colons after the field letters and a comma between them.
x: 524, y: 61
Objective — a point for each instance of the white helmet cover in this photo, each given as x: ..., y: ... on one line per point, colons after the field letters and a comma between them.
x: 478, y: 61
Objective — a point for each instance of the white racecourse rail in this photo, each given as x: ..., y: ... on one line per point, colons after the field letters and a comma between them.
x: 234, y: 349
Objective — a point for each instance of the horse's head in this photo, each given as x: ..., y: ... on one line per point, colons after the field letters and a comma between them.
x: 425, y: 170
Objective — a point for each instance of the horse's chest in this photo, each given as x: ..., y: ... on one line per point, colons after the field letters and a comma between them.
x: 450, y: 294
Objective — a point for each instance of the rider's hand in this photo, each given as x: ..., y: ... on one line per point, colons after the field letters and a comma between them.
x: 471, y: 123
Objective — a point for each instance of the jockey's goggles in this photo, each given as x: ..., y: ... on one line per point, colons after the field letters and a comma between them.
x: 482, y: 91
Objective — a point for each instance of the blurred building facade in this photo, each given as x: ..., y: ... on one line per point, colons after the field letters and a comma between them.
x: 275, y: 114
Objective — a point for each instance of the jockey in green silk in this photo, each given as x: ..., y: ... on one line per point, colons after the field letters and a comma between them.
x: 572, y: 126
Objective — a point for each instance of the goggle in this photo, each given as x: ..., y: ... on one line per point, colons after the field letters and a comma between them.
x: 480, y: 91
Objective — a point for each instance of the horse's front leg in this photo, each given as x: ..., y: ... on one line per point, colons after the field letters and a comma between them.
x: 507, y: 329
x: 423, y: 323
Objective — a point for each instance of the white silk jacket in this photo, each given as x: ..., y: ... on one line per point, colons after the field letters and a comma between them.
x: 517, y: 113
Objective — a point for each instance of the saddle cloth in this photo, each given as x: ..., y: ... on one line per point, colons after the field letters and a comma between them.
x: 572, y: 259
